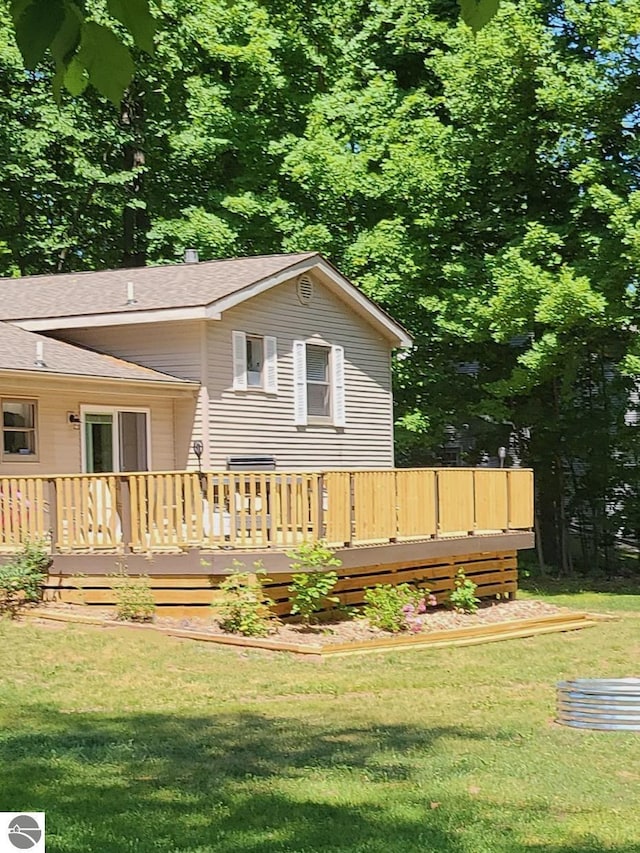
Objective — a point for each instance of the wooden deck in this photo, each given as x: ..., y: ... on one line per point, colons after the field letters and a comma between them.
x: 183, y: 530
x: 175, y: 512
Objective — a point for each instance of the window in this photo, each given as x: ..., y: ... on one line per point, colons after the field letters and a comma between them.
x: 318, y: 384
x: 255, y: 363
x: 19, y: 427
x: 115, y: 440
x: 318, y: 387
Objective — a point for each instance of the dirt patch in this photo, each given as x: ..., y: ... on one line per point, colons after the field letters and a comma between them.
x: 343, y: 630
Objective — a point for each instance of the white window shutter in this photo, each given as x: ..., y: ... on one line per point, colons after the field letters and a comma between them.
x: 239, y: 361
x: 300, y: 383
x: 270, y: 365
x: 337, y: 361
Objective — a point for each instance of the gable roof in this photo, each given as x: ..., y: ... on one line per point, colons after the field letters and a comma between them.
x: 18, y: 353
x: 170, y: 292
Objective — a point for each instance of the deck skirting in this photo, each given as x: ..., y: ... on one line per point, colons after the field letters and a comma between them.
x: 193, y: 592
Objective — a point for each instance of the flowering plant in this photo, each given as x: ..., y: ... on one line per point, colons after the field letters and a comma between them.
x: 414, y: 612
x: 397, y: 608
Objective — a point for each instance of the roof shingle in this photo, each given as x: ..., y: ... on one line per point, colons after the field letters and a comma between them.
x: 18, y: 350
x: 105, y: 292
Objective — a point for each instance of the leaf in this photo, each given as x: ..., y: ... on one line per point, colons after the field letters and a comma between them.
x: 477, y: 13
x: 106, y: 59
x: 67, y: 39
x: 57, y: 83
x: 36, y: 28
x: 137, y: 18
x: 75, y: 78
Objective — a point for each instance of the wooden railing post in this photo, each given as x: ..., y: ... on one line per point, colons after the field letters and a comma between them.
x: 53, y: 515
x: 125, y: 514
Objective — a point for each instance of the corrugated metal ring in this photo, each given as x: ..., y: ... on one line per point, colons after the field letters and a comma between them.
x: 602, y: 704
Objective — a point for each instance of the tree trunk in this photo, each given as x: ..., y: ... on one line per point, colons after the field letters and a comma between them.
x: 135, y: 219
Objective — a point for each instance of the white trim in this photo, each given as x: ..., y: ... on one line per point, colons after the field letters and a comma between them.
x: 203, y: 401
x: 118, y: 318
x: 300, y: 383
x: 87, y: 409
x: 233, y: 299
x: 183, y: 387
x: 338, y: 402
x: 349, y: 292
x: 239, y: 361
x: 20, y: 457
x: 270, y: 364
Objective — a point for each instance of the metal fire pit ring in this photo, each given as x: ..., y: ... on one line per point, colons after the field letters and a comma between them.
x: 603, y: 704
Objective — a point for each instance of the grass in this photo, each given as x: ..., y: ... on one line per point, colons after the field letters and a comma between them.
x: 132, y: 741
x: 618, y: 596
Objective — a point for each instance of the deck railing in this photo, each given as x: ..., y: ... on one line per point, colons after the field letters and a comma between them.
x: 156, y: 512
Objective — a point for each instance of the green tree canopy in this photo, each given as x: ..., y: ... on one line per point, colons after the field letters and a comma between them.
x: 483, y: 187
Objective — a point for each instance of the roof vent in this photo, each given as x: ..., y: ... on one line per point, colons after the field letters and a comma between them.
x: 191, y: 256
x: 305, y: 289
x: 40, y: 362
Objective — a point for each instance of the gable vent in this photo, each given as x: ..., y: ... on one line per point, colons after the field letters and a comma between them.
x: 305, y: 289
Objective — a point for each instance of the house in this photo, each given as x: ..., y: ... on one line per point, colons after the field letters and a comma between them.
x: 239, y: 405
x: 286, y: 358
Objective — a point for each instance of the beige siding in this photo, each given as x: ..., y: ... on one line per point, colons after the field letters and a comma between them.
x: 254, y: 422
x: 175, y: 348
x: 169, y: 347
x: 251, y: 422
x: 59, y: 442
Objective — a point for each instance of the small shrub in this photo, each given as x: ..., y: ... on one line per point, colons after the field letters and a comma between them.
x: 311, y: 583
x: 398, y: 607
x: 245, y: 605
x: 134, y: 598
x: 463, y: 598
x: 22, y: 577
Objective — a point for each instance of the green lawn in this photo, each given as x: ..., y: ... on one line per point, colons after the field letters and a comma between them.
x: 132, y: 741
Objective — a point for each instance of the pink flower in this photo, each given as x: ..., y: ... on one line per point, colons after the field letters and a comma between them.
x: 433, y: 600
x: 422, y: 606
x: 408, y: 608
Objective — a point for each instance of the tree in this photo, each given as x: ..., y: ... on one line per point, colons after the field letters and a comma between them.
x: 87, y: 48
x: 482, y: 188
x: 82, y: 41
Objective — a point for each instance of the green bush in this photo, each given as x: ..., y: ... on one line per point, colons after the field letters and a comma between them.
x: 134, y: 599
x: 22, y: 577
x: 398, y: 607
x: 245, y: 605
x: 463, y: 598
x: 311, y: 583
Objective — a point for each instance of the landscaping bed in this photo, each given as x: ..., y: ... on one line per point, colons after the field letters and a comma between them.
x: 492, y: 620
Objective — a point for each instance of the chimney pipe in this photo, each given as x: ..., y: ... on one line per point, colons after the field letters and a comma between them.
x: 191, y: 256
x: 131, y: 294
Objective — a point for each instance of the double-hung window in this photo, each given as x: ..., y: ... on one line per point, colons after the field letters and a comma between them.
x: 19, y: 428
x: 255, y: 363
x: 318, y: 381
x: 318, y: 384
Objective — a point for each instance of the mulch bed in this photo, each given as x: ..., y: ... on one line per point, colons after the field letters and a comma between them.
x: 355, y: 630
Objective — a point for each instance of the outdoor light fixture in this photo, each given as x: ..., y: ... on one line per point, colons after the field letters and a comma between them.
x: 198, y: 447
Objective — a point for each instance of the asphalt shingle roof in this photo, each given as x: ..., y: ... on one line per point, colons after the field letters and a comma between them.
x: 105, y: 292
x: 18, y: 351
